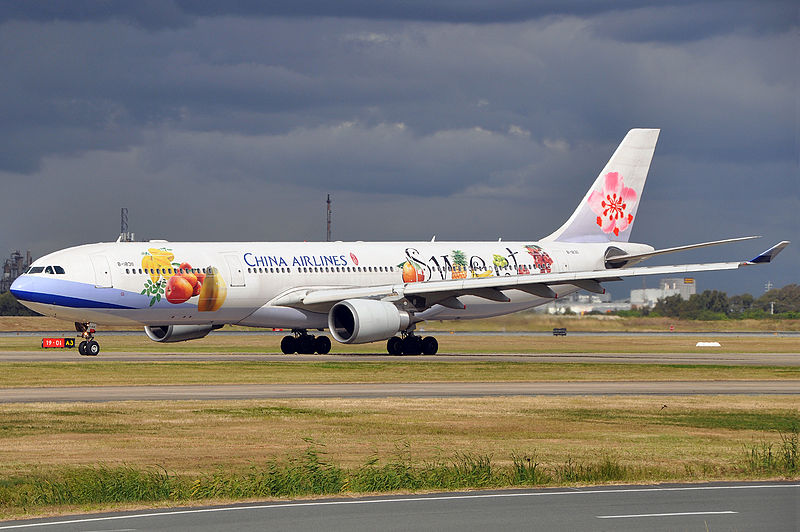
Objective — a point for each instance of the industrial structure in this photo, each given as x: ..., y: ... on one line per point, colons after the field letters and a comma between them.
x: 684, y: 287
x: 13, y: 267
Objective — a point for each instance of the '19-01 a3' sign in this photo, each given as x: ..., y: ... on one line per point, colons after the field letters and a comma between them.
x: 58, y: 342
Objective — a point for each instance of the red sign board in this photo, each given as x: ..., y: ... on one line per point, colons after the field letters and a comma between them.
x: 57, y: 342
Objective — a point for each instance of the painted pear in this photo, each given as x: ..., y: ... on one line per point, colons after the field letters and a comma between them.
x: 213, y: 291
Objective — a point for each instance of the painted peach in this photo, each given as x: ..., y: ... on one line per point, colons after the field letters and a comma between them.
x: 178, y: 290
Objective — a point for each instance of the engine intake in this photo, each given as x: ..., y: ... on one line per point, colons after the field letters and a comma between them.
x: 178, y: 333
x: 358, y: 321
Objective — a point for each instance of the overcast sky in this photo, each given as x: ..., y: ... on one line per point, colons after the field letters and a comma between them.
x: 464, y: 119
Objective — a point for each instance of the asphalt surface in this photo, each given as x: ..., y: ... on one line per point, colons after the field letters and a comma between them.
x: 729, y: 506
x: 355, y: 390
x: 710, y: 357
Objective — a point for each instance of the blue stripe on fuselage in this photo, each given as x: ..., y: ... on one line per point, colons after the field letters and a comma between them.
x: 63, y: 301
x: 72, y: 294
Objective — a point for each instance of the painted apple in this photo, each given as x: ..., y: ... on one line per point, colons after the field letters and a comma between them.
x: 192, y: 278
x: 178, y: 290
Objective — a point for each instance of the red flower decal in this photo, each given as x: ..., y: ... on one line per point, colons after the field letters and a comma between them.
x: 355, y: 259
x: 613, y: 204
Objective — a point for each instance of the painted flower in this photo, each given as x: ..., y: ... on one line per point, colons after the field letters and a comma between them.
x: 613, y: 204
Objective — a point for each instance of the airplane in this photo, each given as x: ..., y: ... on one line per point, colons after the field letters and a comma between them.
x: 360, y: 291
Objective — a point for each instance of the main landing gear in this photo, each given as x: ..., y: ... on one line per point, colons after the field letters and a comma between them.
x: 87, y: 347
x: 411, y: 344
x: 305, y: 344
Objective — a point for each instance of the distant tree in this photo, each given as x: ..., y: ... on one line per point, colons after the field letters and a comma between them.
x: 786, y: 299
x: 709, y: 300
x: 9, y: 306
x: 670, y: 306
x: 740, y: 303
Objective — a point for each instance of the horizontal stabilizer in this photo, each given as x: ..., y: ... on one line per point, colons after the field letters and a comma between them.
x: 642, y: 256
x: 770, y: 254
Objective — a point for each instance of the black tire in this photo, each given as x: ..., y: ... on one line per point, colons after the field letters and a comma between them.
x: 322, y: 345
x: 412, y: 345
x: 429, y: 345
x: 305, y: 344
x: 82, y: 347
x: 93, y: 349
x: 288, y: 345
x: 394, y: 346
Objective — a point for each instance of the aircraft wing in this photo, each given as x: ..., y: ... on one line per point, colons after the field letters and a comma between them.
x: 492, y: 287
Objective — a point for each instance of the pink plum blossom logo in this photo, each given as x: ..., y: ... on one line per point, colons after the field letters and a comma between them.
x: 612, y: 204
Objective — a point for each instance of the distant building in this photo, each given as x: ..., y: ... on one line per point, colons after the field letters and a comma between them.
x: 581, y: 303
x: 13, y: 267
x: 648, y: 297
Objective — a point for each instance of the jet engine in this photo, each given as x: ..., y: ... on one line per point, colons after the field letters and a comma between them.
x: 178, y: 333
x: 358, y: 321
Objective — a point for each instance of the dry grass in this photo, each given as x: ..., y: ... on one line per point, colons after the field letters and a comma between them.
x: 703, y: 434
x: 97, y: 372
x: 448, y: 343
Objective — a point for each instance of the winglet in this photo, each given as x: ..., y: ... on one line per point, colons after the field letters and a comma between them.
x: 769, y: 254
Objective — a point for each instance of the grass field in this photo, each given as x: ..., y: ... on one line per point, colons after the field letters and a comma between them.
x: 448, y: 343
x: 60, y: 458
x: 95, y: 372
x: 641, y: 439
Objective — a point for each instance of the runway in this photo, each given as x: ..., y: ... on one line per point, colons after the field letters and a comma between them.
x: 719, y: 506
x: 355, y: 390
x: 707, y: 358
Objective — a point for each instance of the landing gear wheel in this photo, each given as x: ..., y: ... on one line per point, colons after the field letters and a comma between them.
x: 305, y: 344
x: 322, y: 345
x: 412, y: 345
x: 395, y: 345
x: 288, y: 345
x: 82, y: 348
x: 429, y: 345
x: 93, y: 349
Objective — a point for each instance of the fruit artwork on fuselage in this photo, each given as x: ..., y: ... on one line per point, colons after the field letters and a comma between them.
x: 179, y: 282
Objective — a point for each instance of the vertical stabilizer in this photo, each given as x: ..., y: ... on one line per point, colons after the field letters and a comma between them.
x: 608, y: 210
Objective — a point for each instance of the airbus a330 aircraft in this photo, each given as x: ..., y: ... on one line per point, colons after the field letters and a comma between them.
x: 362, y: 292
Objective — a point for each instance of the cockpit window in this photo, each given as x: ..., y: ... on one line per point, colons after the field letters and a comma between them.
x: 59, y: 270
x: 49, y: 269
x: 36, y: 269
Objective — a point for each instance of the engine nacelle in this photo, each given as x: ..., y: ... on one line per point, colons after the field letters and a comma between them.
x: 358, y: 321
x: 178, y: 333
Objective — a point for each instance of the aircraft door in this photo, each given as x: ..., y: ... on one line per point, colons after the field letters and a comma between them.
x: 236, y: 270
x: 102, y: 271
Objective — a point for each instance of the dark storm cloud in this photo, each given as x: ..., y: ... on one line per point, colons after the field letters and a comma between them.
x: 214, y: 121
x: 676, y: 20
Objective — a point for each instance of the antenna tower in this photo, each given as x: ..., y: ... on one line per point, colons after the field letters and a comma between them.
x: 124, y: 235
x: 329, y: 219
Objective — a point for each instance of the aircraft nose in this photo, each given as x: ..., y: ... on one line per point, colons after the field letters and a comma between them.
x: 24, y: 286
x: 16, y: 286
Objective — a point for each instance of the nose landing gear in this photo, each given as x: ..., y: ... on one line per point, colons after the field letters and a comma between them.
x: 88, y: 347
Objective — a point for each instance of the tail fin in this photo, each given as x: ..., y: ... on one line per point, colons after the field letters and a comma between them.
x: 608, y: 210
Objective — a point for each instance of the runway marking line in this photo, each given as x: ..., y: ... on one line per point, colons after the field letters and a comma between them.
x: 384, y: 501
x: 673, y: 514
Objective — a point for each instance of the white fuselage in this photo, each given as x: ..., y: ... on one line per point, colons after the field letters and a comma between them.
x: 108, y: 283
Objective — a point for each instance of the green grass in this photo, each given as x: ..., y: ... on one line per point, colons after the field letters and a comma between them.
x: 98, y: 372
x: 311, y: 474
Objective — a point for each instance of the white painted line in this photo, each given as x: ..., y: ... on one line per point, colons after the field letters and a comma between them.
x: 663, y: 515
x: 391, y: 500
